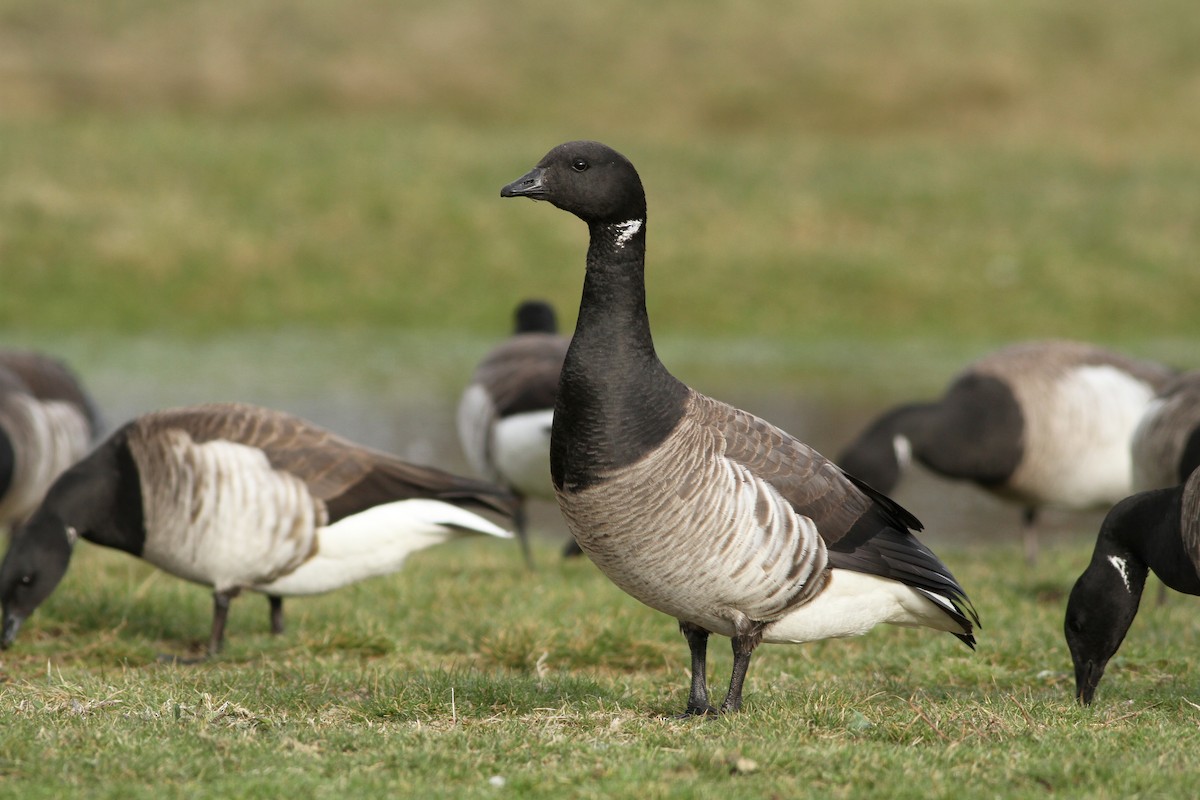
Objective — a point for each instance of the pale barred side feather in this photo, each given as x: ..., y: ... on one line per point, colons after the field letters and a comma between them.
x: 47, y: 437
x: 217, y: 513
x: 476, y: 415
x: 695, y: 535
x: 1189, y: 523
x: 1163, y: 432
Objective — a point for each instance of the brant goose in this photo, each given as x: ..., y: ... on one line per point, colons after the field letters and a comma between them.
x: 47, y: 423
x: 1166, y: 444
x: 1154, y: 530
x: 1037, y: 423
x: 698, y: 509
x: 505, y: 412
x: 240, y: 497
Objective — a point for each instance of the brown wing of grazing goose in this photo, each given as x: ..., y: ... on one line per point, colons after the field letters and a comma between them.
x: 348, y: 477
x: 522, y: 373
x: 1189, y: 523
x: 864, y: 531
x: 49, y: 379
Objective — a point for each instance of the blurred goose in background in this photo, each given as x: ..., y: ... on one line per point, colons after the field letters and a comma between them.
x: 1166, y: 443
x: 505, y: 412
x: 1155, y: 530
x: 1037, y: 423
x: 241, y: 497
x: 695, y: 508
x: 47, y: 423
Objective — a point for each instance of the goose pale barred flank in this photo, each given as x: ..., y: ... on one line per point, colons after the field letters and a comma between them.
x: 47, y: 423
x: 1041, y: 424
x: 505, y: 413
x: 240, y: 497
x: 1155, y: 530
x: 698, y: 509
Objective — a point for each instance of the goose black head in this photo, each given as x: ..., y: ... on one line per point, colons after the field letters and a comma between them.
x: 589, y: 179
x: 33, y: 567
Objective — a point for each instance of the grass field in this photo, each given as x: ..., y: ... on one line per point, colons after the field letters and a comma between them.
x: 433, y: 682
x: 855, y: 195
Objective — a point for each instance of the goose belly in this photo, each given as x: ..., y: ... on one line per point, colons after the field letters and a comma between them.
x: 521, y: 452
x: 1077, y: 444
x: 717, y: 547
x: 376, y: 542
x: 853, y: 603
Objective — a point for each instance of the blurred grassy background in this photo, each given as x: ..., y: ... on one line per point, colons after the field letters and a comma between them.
x: 822, y: 170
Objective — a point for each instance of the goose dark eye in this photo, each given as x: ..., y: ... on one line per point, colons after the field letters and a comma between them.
x: 579, y: 165
x: 26, y: 580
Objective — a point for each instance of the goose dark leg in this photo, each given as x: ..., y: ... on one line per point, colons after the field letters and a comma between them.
x: 1029, y: 535
x: 743, y: 648
x: 519, y: 522
x: 276, y: 613
x: 221, y: 602
x: 697, y: 639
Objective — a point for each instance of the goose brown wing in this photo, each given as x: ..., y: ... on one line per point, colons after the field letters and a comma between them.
x: 864, y: 531
x: 522, y: 373
x: 348, y: 477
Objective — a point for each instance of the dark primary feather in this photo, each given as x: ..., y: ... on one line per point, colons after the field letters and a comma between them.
x: 347, y: 476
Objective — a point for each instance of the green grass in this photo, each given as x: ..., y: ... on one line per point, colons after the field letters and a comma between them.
x: 463, y: 667
x: 823, y: 170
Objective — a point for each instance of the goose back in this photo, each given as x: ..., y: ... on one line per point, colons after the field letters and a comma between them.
x: 1166, y: 443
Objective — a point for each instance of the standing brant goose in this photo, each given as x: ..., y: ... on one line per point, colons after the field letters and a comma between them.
x: 1037, y: 423
x: 1166, y: 444
x: 505, y: 412
x: 47, y: 423
x: 240, y: 497
x: 698, y: 509
x: 1154, y: 530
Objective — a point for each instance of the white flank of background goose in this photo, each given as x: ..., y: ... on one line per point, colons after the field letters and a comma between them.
x: 1155, y: 530
x: 696, y: 508
x: 1166, y: 444
x: 1037, y: 423
x: 240, y: 497
x: 47, y: 423
x: 505, y: 413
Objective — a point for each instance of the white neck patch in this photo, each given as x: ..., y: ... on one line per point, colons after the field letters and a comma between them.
x: 628, y: 229
x: 903, y: 448
x: 1121, y: 567
x: 72, y: 535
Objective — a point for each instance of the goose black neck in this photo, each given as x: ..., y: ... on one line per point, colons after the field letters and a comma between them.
x: 616, y: 401
x: 1147, y: 526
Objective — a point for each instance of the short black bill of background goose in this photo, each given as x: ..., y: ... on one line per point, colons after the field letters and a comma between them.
x: 1155, y: 530
x: 695, y: 508
x: 1037, y: 423
x: 47, y: 423
x: 241, y: 497
x: 505, y: 413
x: 1166, y: 443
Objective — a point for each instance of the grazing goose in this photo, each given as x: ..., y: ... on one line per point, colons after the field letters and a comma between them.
x: 695, y: 508
x: 239, y: 497
x: 1037, y: 423
x: 47, y: 423
x: 1154, y: 530
x: 505, y: 412
x: 1166, y: 443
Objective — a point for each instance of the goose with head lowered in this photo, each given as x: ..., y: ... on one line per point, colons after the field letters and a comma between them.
x: 240, y: 497
x: 47, y: 423
x: 1041, y: 424
x: 505, y: 412
x: 1155, y: 530
x: 698, y: 509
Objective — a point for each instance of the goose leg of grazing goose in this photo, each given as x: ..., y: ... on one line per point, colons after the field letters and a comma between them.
x: 743, y: 648
x: 276, y: 613
x: 519, y: 521
x: 697, y: 639
x: 1029, y: 535
x: 221, y: 602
